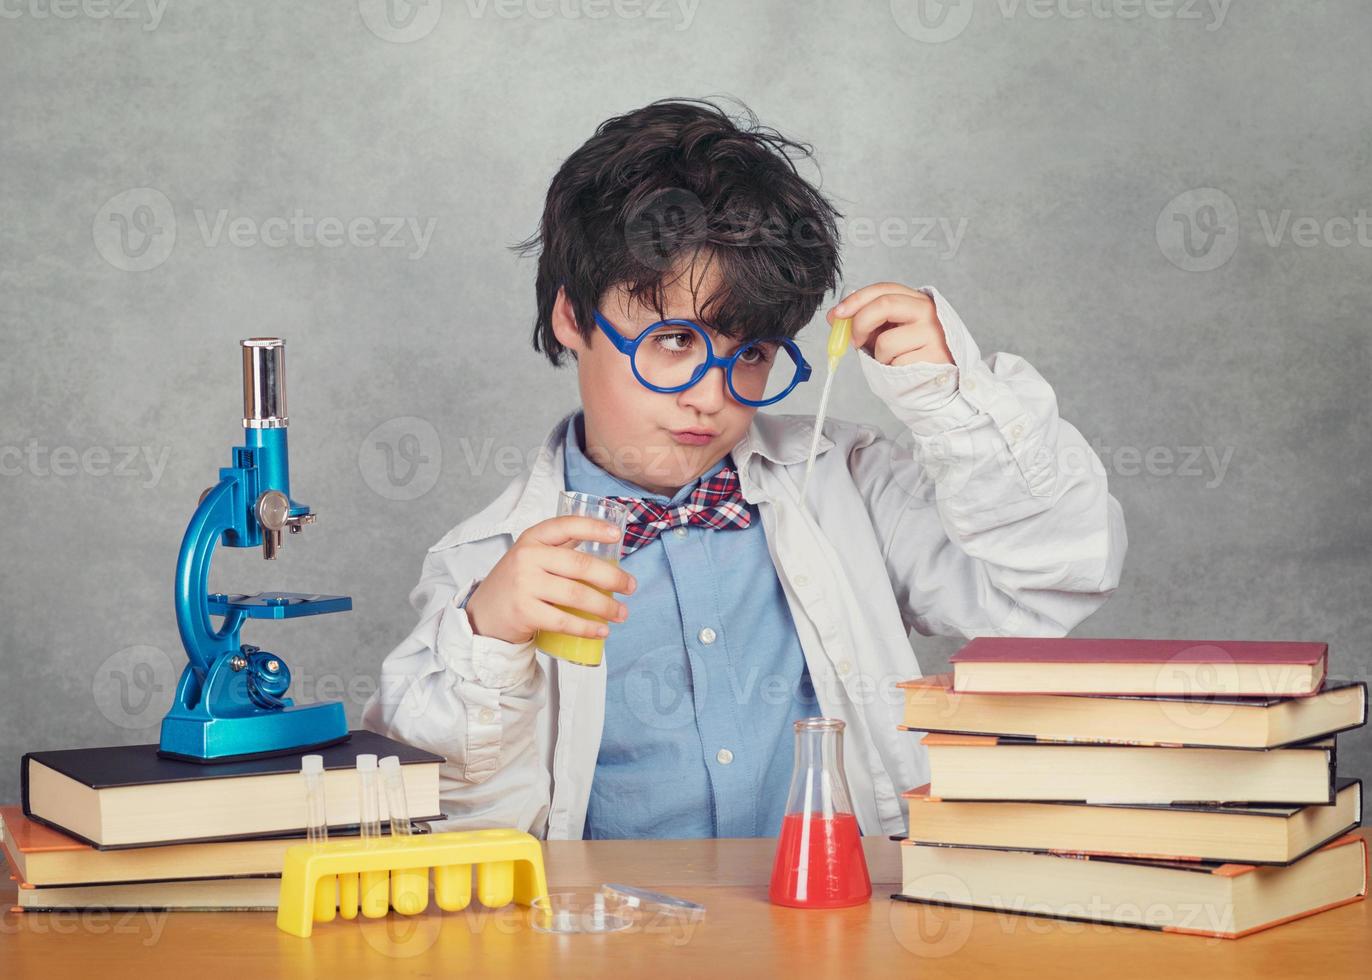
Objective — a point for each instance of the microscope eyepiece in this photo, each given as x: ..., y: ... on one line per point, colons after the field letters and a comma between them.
x: 264, y: 383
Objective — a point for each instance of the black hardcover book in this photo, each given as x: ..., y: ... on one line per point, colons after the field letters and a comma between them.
x: 129, y: 796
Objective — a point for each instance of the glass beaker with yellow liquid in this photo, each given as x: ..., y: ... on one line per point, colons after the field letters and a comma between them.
x: 586, y: 650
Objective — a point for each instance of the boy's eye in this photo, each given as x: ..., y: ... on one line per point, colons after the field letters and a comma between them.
x: 674, y: 341
x: 758, y: 354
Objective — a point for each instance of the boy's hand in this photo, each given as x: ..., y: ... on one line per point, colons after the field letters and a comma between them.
x: 521, y: 594
x: 894, y: 324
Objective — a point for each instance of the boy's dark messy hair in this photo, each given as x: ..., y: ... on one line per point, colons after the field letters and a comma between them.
x: 674, y: 189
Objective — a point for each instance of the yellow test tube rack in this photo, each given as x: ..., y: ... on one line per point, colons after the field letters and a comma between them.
x: 393, y: 872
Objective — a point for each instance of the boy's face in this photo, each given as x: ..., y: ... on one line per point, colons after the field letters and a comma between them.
x: 643, y: 436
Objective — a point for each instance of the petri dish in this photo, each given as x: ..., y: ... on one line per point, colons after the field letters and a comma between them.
x: 640, y: 903
x: 574, y: 912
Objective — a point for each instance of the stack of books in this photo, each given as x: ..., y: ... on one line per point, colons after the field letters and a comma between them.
x: 1184, y: 786
x: 120, y: 827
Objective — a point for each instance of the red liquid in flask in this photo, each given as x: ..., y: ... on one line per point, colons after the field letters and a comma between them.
x: 827, y: 870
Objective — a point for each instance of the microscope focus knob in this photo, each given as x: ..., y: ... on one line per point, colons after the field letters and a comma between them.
x: 268, y: 679
x: 273, y: 513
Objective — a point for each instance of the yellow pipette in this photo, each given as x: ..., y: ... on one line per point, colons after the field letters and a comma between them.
x: 840, y: 339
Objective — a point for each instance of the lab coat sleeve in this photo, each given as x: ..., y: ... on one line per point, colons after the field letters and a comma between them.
x: 993, y: 512
x: 472, y: 699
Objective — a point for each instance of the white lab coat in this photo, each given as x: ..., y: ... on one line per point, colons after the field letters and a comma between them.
x: 989, y: 515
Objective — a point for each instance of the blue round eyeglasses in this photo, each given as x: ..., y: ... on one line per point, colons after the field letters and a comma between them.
x: 673, y: 355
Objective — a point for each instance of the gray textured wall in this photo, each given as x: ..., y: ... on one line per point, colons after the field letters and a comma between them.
x: 1157, y: 204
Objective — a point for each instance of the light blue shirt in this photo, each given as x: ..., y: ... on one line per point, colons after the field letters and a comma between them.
x: 704, y: 680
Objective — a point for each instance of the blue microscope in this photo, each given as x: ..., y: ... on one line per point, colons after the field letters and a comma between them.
x: 231, y: 700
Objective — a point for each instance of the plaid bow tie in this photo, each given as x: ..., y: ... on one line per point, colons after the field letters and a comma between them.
x: 716, y: 503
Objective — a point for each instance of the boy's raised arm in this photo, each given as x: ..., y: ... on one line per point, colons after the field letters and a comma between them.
x: 994, y: 512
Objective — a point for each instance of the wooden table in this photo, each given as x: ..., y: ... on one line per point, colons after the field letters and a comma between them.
x: 743, y: 935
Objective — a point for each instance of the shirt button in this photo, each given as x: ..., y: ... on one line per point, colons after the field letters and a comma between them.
x: 844, y: 667
x: 802, y: 580
x: 487, y: 716
x: 942, y: 379
x: 680, y: 532
x: 969, y: 384
x: 724, y: 757
x: 1016, y: 431
x: 707, y: 635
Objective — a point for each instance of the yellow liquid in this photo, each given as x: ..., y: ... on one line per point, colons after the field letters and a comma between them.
x: 586, y: 650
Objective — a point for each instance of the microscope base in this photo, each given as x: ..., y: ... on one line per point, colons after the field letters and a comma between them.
x: 192, y: 737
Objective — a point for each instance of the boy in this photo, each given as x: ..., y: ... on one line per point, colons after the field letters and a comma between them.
x: 743, y: 606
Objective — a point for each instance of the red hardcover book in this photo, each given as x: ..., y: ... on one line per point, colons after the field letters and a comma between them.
x: 1189, y: 668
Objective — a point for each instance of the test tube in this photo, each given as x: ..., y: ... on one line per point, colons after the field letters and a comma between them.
x: 395, y: 796
x: 317, y: 833
x: 369, y: 803
x: 316, y: 814
x: 409, y: 886
x: 375, y: 897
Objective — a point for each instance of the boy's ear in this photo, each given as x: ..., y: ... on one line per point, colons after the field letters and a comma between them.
x: 564, y: 324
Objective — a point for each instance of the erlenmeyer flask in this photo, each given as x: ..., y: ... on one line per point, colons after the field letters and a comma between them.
x: 819, y: 861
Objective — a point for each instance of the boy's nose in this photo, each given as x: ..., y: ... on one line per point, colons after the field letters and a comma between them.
x: 709, y: 394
